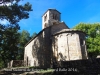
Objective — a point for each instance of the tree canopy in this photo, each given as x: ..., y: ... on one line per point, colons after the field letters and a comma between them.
x: 9, y: 36
x: 14, y: 13
x: 23, y: 39
x: 33, y: 35
x: 92, y: 38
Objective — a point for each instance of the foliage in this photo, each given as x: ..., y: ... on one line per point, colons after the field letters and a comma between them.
x: 1, y: 63
x: 9, y: 35
x: 9, y: 41
x: 34, y: 34
x: 34, y: 67
x: 14, y: 13
x: 92, y: 38
x: 23, y: 39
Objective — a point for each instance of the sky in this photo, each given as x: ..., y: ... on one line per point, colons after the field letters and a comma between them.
x: 72, y: 12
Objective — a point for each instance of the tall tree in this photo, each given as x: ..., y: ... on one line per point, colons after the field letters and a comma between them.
x: 9, y: 36
x: 23, y: 39
x: 15, y: 12
x: 9, y: 43
x: 92, y: 38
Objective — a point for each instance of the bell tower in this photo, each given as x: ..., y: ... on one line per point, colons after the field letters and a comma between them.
x: 50, y: 17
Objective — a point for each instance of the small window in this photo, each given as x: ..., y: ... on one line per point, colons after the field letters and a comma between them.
x: 34, y: 63
x: 81, y: 42
x: 45, y: 17
x: 55, y: 16
x: 45, y: 25
x: 27, y: 61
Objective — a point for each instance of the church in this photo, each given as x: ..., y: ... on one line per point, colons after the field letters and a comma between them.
x: 55, y: 42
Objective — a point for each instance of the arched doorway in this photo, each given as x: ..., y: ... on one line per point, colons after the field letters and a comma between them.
x: 27, y: 61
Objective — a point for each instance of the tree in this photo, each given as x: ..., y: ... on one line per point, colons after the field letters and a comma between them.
x: 92, y: 38
x: 15, y: 12
x: 34, y: 34
x: 9, y: 36
x: 23, y: 39
x: 9, y: 43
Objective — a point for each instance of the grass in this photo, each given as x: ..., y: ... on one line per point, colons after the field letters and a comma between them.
x: 34, y: 67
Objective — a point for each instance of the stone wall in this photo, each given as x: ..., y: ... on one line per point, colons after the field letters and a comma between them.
x: 50, y: 17
x: 66, y: 46
x: 58, y: 27
x: 16, y: 63
x: 38, y: 51
x: 83, y: 45
x: 81, y: 67
x: 54, y: 43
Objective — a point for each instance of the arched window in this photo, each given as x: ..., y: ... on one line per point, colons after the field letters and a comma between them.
x: 81, y: 41
x: 34, y: 63
x: 27, y: 61
x: 45, y: 25
x: 53, y: 16
x: 45, y: 17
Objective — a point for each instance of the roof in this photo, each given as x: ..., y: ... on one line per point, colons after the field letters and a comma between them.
x: 69, y: 30
x: 33, y: 38
x: 59, y: 32
x: 53, y: 10
x: 65, y: 24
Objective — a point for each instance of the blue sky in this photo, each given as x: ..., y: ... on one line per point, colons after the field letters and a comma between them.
x: 72, y: 12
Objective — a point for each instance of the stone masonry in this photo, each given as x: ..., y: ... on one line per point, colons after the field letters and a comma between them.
x: 56, y: 42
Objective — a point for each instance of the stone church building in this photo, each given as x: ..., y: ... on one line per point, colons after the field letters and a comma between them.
x: 55, y: 42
